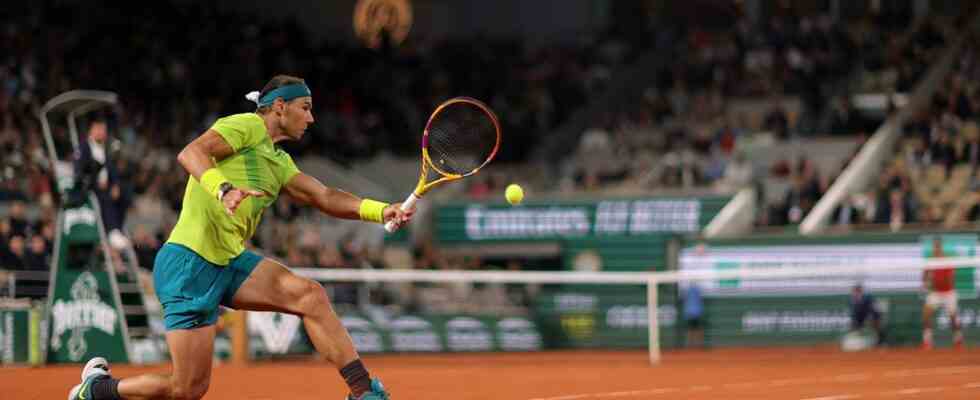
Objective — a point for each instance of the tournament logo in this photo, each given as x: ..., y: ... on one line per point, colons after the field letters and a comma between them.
x: 468, y: 334
x: 518, y: 334
x: 277, y: 330
x: 366, y: 338
x: 84, y: 311
x: 410, y: 333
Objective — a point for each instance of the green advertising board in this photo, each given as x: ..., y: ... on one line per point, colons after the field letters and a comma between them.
x: 801, y: 311
x: 766, y: 321
x: 84, y: 311
x: 19, y: 334
x: 274, y: 334
x: 614, y: 317
x: 559, y: 220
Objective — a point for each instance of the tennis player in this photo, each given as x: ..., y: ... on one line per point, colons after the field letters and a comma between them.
x: 236, y: 172
x: 942, y: 293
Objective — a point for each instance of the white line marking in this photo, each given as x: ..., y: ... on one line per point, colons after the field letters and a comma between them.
x: 917, y: 390
x: 929, y: 371
x: 637, y: 392
x: 836, y: 397
x: 789, y: 382
x: 572, y: 397
x: 628, y: 393
x: 745, y: 385
x: 798, y: 381
x: 852, y: 377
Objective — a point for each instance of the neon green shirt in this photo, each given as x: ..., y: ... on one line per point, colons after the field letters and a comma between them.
x: 204, y: 226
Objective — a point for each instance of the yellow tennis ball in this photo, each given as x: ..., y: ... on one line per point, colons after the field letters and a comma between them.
x: 514, y: 194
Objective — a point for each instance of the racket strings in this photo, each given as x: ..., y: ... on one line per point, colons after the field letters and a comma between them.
x: 462, y: 137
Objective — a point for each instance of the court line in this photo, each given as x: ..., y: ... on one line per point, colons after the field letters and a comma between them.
x: 929, y: 371
x: 916, y: 390
x: 628, y: 393
x: 789, y: 382
x: 854, y: 377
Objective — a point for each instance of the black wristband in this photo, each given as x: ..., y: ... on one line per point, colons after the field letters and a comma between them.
x: 223, y: 189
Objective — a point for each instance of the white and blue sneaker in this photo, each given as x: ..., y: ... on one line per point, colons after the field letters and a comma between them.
x: 96, y: 368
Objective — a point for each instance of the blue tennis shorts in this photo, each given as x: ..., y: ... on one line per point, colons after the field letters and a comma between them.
x: 191, y: 288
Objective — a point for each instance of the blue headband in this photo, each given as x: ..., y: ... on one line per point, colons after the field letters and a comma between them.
x: 287, y: 93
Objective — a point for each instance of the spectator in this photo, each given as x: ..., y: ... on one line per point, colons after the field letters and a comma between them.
x: 895, y: 210
x: 146, y: 246
x: 738, y: 173
x: 849, y: 211
x: 844, y: 119
x: 863, y: 309
x: 17, y: 219
x: 16, y: 254
x: 942, y: 152
x: 37, y: 257
x: 694, y: 315
x: 777, y: 122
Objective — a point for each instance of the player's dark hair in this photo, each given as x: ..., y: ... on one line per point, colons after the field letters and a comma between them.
x: 277, y: 82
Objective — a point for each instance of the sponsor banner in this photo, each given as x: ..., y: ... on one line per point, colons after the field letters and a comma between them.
x: 412, y: 333
x: 85, y: 321
x: 275, y: 334
x: 561, y: 220
x: 757, y: 257
x: 84, y: 317
x: 604, y: 318
x: 736, y: 321
x: 15, y: 335
x: 272, y: 333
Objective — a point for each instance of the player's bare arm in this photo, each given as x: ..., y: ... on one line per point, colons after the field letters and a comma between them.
x: 307, y: 190
x: 199, y: 156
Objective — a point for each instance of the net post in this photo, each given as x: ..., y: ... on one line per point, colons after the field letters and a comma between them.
x: 652, y: 321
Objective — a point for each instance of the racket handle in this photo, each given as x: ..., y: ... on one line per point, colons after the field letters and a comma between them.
x: 406, y: 205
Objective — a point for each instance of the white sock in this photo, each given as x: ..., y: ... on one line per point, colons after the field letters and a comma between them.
x: 927, y: 336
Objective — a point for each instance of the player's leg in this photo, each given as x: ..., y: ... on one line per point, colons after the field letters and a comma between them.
x: 952, y: 310
x: 272, y: 287
x: 928, y: 309
x: 182, y: 280
x: 191, y: 351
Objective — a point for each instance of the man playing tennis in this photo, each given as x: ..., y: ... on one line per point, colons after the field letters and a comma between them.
x: 941, y: 287
x: 236, y: 172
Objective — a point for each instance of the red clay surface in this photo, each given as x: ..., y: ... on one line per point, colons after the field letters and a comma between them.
x: 770, y: 373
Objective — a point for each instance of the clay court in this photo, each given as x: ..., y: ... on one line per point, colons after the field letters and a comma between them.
x: 792, y: 374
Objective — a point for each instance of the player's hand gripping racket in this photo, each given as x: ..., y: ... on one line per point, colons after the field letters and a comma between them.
x: 461, y: 137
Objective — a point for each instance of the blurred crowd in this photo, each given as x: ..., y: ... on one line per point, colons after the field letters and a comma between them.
x: 784, y: 80
x: 173, y: 86
x: 684, y: 130
x: 932, y: 178
x: 786, y: 77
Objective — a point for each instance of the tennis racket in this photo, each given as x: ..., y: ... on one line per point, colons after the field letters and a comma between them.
x: 461, y: 137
